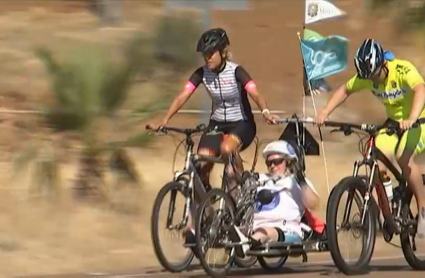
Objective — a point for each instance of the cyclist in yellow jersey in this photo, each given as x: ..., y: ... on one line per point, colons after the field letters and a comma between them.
x: 400, y: 87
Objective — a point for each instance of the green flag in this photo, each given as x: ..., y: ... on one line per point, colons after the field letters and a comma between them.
x: 311, y: 35
x: 320, y: 85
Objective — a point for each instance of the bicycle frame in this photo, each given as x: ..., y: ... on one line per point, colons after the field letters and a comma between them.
x: 189, y: 175
x: 370, y: 159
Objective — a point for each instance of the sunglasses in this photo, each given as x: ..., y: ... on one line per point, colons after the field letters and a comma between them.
x: 276, y: 161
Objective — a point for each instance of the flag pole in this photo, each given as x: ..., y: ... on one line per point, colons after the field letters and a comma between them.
x: 304, y: 74
x: 315, y: 113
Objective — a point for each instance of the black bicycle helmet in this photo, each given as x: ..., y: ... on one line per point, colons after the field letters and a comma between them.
x: 369, y: 58
x: 213, y: 40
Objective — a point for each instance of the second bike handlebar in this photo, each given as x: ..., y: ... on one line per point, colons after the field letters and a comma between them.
x: 347, y: 127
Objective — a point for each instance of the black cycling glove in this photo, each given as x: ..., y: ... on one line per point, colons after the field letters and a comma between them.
x: 300, y: 177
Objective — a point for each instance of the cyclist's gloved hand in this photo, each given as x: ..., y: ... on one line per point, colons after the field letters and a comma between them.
x: 300, y: 177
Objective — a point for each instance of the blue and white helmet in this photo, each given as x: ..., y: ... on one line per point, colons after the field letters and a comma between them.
x: 280, y: 147
x: 369, y: 58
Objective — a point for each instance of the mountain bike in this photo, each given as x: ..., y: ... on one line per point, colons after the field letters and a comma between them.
x: 399, y: 218
x: 188, y: 183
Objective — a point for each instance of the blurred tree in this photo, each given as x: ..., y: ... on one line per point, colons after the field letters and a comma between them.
x: 88, y: 88
x: 110, y: 12
x: 407, y: 15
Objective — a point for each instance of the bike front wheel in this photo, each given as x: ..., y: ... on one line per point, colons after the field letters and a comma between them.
x: 366, y: 232
x: 174, y: 188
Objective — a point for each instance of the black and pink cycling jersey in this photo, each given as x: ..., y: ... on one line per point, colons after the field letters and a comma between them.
x: 228, y: 91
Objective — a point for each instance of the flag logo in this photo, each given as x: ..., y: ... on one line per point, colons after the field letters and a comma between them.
x: 318, y: 10
x: 324, y: 57
x: 313, y: 9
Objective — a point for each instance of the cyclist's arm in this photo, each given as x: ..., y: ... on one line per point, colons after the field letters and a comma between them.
x: 246, y: 82
x: 309, y: 195
x: 194, y: 81
x: 415, y: 81
x: 353, y: 85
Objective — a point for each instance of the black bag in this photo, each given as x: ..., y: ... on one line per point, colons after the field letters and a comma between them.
x: 301, y: 139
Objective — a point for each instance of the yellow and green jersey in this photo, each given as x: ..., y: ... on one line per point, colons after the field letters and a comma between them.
x: 396, y: 93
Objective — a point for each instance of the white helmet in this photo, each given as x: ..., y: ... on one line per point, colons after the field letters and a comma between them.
x: 280, y: 147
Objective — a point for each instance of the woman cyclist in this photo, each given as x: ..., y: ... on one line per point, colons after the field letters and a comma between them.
x: 228, y: 86
x: 400, y: 87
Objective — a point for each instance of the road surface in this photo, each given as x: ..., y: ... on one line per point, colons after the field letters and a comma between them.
x: 318, y: 266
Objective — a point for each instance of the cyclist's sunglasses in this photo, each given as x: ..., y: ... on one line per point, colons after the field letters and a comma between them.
x: 276, y: 161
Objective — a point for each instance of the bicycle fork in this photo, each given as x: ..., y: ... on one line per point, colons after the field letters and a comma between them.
x: 368, y: 192
x: 383, y: 202
x: 188, y: 196
x: 186, y: 210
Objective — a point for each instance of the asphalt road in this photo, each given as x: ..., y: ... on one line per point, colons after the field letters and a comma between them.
x: 318, y: 266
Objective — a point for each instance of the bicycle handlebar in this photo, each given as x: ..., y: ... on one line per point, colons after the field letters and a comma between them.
x: 186, y: 131
x: 347, y: 127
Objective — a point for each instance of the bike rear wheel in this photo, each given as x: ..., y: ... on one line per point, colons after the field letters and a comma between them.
x: 173, y: 188
x: 357, y: 189
x: 211, y: 231
x: 407, y: 238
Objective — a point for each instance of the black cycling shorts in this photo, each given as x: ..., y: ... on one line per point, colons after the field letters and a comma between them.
x: 244, y: 130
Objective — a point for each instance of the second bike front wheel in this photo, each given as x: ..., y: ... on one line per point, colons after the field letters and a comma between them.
x: 211, y: 231
x: 356, y: 188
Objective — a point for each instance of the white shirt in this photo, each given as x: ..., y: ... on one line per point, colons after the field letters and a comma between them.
x: 286, y: 209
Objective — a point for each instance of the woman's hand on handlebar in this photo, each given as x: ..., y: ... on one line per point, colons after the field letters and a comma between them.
x: 157, y: 126
x: 407, y: 124
x: 271, y: 119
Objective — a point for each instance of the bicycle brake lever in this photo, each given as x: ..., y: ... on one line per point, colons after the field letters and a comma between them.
x: 391, y: 132
x: 335, y: 130
x: 202, y: 127
x: 348, y: 132
x: 159, y: 132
